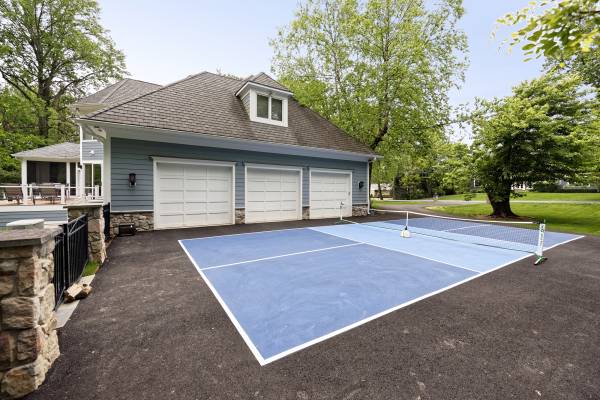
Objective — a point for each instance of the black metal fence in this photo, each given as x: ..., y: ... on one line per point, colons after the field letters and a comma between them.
x: 70, y: 255
x: 106, y: 213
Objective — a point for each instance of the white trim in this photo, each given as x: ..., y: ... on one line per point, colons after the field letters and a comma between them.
x: 264, y: 361
x: 273, y: 167
x: 107, y: 171
x: 49, y: 159
x: 174, y: 160
x: 254, y: 109
x: 202, y: 139
x: 232, y: 318
x: 283, y: 255
x: 368, y: 189
x: 170, y: 160
x: 249, y: 84
x: 332, y: 171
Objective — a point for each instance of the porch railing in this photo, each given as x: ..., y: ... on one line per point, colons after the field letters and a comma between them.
x: 59, y: 193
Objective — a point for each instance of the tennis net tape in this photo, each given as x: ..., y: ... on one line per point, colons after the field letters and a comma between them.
x: 522, y: 236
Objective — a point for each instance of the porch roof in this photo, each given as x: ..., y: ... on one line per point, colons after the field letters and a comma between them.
x: 60, y: 152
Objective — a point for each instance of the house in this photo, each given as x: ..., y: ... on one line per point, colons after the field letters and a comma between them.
x: 48, y: 165
x: 214, y: 150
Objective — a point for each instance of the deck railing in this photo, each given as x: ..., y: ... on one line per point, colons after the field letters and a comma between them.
x: 55, y: 193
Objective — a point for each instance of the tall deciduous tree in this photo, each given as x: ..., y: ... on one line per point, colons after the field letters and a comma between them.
x: 556, y: 29
x: 379, y: 69
x: 537, y: 134
x: 51, y: 51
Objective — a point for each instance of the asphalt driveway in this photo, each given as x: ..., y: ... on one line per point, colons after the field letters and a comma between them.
x: 153, y: 330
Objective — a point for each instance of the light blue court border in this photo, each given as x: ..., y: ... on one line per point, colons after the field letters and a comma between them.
x: 225, y: 277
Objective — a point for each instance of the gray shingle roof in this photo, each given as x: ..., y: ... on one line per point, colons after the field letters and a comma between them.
x: 61, y: 151
x: 123, y: 90
x: 206, y: 103
x: 266, y: 80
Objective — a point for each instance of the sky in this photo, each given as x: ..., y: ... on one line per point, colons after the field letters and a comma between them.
x: 165, y: 41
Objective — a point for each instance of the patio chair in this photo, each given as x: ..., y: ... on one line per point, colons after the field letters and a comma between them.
x: 49, y: 193
x: 13, y: 193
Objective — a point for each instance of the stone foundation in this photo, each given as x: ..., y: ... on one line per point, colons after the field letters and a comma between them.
x: 96, y: 239
x: 360, y: 210
x: 240, y: 216
x: 143, y: 221
x: 28, y: 340
x: 305, y: 212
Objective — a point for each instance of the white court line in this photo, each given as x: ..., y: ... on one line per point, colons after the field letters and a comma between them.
x: 464, y: 227
x: 382, y: 313
x: 564, y: 242
x: 262, y: 361
x: 403, y: 252
x: 232, y: 317
x: 284, y: 255
x: 245, y: 233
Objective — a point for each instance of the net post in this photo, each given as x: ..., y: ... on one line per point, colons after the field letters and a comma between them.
x: 406, y: 223
x: 540, y: 247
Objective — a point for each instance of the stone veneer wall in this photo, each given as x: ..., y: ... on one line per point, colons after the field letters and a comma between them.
x: 360, y: 210
x: 143, y: 221
x: 96, y: 239
x: 28, y: 340
x: 240, y: 216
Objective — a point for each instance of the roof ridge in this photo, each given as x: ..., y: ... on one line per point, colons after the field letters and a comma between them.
x: 139, y: 80
x: 98, y: 112
x: 115, y: 86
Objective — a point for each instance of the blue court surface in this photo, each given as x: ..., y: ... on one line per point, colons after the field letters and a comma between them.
x: 285, y: 290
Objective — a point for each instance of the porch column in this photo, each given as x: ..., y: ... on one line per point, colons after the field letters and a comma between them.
x: 24, y: 180
x: 68, y: 178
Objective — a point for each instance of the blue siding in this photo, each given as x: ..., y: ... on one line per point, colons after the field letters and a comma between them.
x: 50, y: 216
x: 96, y: 146
x: 135, y: 156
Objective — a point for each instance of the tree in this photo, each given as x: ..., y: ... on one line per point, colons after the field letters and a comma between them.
x: 379, y: 69
x: 13, y: 142
x: 51, y: 51
x: 556, y: 29
x: 534, y: 135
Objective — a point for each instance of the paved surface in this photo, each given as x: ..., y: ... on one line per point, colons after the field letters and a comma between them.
x: 455, y: 202
x: 152, y: 330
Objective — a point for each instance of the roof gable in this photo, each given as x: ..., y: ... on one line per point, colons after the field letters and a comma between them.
x: 206, y: 104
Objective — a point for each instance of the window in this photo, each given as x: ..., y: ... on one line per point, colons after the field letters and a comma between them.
x: 262, y: 106
x: 276, y: 109
x: 268, y: 108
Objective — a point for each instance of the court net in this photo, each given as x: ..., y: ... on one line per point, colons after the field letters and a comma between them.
x: 524, y: 236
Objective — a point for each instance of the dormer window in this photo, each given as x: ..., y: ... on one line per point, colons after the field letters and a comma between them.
x: 269, y: 107
x: 265, y: 104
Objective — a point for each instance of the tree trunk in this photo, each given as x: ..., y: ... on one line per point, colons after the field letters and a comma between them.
x: 379, y: 189
x: 501, y: 207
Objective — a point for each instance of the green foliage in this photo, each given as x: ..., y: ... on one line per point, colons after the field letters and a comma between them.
x: 51, y: 52
x: 537, y: 134
x: 556, y: 29
x: 379, y: 69
x: 13, y: 142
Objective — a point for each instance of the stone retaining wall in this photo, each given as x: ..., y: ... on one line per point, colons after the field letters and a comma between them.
x: 28, y: 340
x: 143, y: 221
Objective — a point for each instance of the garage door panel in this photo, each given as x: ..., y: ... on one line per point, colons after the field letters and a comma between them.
x: 327, y: 191
x: 186, y: 194
x: 272, y: 195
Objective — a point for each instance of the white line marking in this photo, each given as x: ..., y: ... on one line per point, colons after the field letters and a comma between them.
x: 262, y: 361
x: 283, y: 255
x: 382, y: 313
x: 244, y: 233
x: 404, y: 252
x: 566, y: 241
x: 465, y: 227
x: 234, y: 320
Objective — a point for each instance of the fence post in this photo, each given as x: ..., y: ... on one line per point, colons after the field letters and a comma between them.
x: 28, y: 340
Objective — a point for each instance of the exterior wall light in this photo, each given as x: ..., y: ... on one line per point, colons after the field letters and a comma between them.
x: 361, y: 184
x: 131, y: 179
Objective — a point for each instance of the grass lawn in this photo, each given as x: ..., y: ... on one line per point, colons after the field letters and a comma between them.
x: 532, y: 196
x: 573, y: 218
x: 375, y: 203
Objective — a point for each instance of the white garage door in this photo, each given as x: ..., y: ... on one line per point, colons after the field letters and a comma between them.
x: 327, y: 191
x: 273, y: 195
x: 192, y: 195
